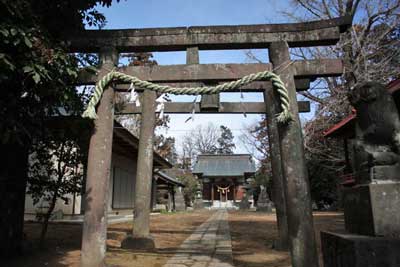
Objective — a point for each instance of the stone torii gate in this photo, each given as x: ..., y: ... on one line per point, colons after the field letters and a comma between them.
x: 290, y: 178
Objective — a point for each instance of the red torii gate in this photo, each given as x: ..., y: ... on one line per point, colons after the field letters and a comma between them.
x: 288, y: 164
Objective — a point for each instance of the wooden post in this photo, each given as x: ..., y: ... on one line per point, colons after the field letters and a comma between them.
x: 192, y: 55
x: 208, y: 102
x: 346, y: 156
x: 234, y: 193
x: 144, y: 170
x: 153, y: 194
x: 173, y: 198
x: 297, y: 190
x: 94, y: 233
x: 272, y: 109
x: 212, y: 194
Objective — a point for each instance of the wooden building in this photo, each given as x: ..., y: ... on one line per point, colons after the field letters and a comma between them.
x: 122, y: 180
x: 223, y: 178
x: 166, y: 193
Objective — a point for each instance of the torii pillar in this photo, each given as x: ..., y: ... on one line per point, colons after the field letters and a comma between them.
x: 94, y: 233
x: 141, y: 238
x: 302, y: 243
x: 278, y: 194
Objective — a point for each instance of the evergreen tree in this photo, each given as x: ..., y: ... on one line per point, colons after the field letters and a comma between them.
x: 56, y: 167
x: 225, y: 141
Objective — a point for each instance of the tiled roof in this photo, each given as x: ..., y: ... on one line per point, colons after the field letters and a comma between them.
x: 224, y: 165
x: 169, y: 179
x: 124, y: 137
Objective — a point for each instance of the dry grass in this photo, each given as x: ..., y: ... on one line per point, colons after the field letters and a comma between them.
x: 253, y: 235
x: 63, y: 242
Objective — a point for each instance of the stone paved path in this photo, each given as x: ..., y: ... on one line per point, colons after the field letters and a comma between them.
x: 209, y: 245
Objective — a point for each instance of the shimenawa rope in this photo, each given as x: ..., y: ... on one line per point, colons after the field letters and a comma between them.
x: 283, y: 117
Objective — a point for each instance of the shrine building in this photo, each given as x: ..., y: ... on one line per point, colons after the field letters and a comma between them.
x: 223, y: 177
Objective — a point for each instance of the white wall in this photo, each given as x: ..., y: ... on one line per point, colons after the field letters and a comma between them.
x: 117, y: 161
x: 60, y: 205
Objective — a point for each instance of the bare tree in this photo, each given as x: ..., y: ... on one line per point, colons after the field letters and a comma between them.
x: 255, y: 139
x: 370, y: 51
x: 201, y: 140
x: 208, y: 139
x: 369, y: 47
x: 188, y: 151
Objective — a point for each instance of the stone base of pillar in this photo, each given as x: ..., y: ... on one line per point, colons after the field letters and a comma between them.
x: 350, y: 250
x: 198, y: 204
x: 265, y: 206
x: 138, y: 243
x: 279, y: 246
x: 373, y: 209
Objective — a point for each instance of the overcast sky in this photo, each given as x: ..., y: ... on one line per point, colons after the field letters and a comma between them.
x: 174, y: 13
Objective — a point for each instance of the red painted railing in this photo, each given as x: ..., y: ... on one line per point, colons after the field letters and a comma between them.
x: 347, y: 179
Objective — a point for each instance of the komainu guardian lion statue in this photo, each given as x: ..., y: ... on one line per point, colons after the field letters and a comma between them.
x: 376, y: 149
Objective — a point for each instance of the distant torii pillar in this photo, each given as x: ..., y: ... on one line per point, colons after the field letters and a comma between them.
x: 296, y: 185
x: 141, y: 238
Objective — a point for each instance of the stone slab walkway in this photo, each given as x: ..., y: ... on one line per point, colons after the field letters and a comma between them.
x: 209, y: 246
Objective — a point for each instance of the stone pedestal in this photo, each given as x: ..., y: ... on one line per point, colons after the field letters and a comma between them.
x: 372, y: 219
x: 264, y: 204
x: 179, y: 201
x: 373, y: 209
x: 244, y: 203
x: 347, y: 250
x: 198, y: 204
x: 138, y: 243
